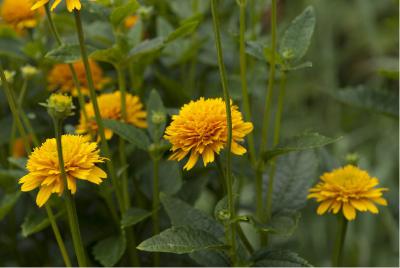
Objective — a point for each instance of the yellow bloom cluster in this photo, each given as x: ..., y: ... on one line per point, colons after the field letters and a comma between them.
x: 80, y: 158
x: 71, y: 4
x: 110, y: 108
x: 350, y: 189
x: 200, y: 129
x: 18, y: 14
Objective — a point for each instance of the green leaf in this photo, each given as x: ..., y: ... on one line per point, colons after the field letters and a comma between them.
x: 283, y: 223
x: 119, y: 14
x: 279, y: 258
x: 111, y: 55
x: 305, y: 141
x: 295, y: 174
x: 65, y: 53
x: 255, y: 49
x: 381, y: 101
x: 297, y: 37
x: 185, y: 29
x: 36, y: 221
x: 170, y: 177
x: 133, y: 216
x: 110, y: 250
x: 146, y: 47
x: 156, y: 116
x: 11, y: 47
x: 7, y: 203
x: 9, y: 178
x: 128, y: 132
x: 180, y: 240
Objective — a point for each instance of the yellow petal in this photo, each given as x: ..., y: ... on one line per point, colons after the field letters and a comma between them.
x: 55, y: 4
x: 336, y: 206
x: 358, y: 204
x: 39, y: 4
x: 208, y: 156
x: 349, y: 212
x: 380, y: 201
x: 323, y: 207
x: 370, y: 206
x: 43, y: 195
x: 237, y: 149
x: 73, y: 4
x: 192, y: 161
x: 29, y: 183
x: 108, y: 133
x: 71, y: 184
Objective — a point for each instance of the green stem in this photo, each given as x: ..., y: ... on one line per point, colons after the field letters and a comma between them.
x: 156, y: 203
x: 104, y: 145
x: 259, y: 194
x: 71, y: 67
x: 244, y: 239
x: 58, y: 236
x: 69, y: 201
x: 224, y: 82
x: 243, y: 78
x: 340, y: 237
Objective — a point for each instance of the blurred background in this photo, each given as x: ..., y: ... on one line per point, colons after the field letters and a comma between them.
x: 355, y: 48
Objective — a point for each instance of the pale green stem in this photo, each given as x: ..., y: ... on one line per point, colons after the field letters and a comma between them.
x: 104, y: 145
x: 224, y: 82
x: 69, y: 200
x: 340, y: 237
x: 156, y: 204
x: 243, y: 78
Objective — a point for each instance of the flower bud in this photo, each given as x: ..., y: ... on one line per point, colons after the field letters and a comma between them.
x: 158, y: 118
x: 59, y: 106
x: 9, y: 76
x: 29, y: 71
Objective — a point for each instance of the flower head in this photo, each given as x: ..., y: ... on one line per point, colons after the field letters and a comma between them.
x: 80, y: 158
x: 29, y: 71
x: 60, y: 78
x: 200, y: 129
x: 59, y: 106
x: 19, y: 15
x: 350, y: 189
x: 110, y: 108
x: 71, y: 4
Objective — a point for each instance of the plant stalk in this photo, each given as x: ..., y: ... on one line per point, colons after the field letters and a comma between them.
x: 228, y: 173
x: 340, y: 237
x: 156, y: 203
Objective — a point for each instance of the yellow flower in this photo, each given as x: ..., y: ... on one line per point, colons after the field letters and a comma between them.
x: 131, y: 21
x: 110, y: 108
x: 71, y: 4
x: 350, y: 189
x: 59, y: 106
x: 60, y: 78
x: 80, y: 157
x: 19, y: 15
x: 200, y: 128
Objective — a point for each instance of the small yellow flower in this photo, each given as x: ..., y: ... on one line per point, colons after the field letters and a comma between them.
x: 80, y: 157
x: 200, y: 128
x: 60, y: 78
x: 131, y: 21
x: 29, y: 71
x: 71, y: 4
x: 59, y: 106
x: 350, y: 189
x: 110, y: 108
x: 19, y: 15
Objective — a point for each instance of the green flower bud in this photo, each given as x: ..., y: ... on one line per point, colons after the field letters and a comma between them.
x: 59, y: 106
x: 9, y: 76
x: 29, y: 71
x: 158, y: 118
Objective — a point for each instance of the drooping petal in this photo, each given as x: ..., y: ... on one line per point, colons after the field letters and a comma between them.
x: 192, y: 161
x: 349, y: 212
x: 323, y: 207
x: 43, y: 195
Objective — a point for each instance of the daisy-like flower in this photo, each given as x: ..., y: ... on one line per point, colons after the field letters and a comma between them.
x: 80, y: 158
x: 110, y: 108
x: 71, y: 4
x: 18, y: 14
x: 350, y: 189
x: 200, y: 129
x: 60, y: 78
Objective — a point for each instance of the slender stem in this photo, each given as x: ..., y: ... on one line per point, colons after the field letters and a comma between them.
x: 259, y: 193
x: 222, y: 71
x: 71, y: 67
x: 340, y: 237
x: 156, y: 203
x: 69, y: 201
x: 16, y: 116
x: 93, y: 98
x: 58, y: 236
x: 244, y: 239
x: 243, y: 78
x: 271, y: 79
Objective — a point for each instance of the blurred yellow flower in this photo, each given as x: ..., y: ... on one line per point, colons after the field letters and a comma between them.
x: 200, y: 128
x: 131, y: 21
x: 60, y: 78
x: 71, y: 4
x: 80, y: 157
x: 350, y: 189
x: 18, y: 14
x: 110, y: 108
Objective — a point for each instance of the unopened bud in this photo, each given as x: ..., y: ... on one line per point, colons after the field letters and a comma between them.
x: 29, y: 71
x: 59, y: 106
x: 158, y: 118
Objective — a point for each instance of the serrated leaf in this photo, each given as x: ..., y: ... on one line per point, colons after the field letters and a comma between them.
x: 300, y: 142
x: 110, y: 250
x: 295, y: 174
x: 120, y: 13
x: 129, y: 133
x: 380, y: 101
x: 156, y: 115
x: 7, y: 203
x: 36, y: 221
x: 67, y: 53
x: 133, y: 216
x: 279, y: 258
x: 180, y: 240
x: 297, y: 37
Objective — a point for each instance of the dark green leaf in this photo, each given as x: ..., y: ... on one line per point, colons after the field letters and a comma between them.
x: 380, y: 101
x: 111, y: 55
x: 282, y: 223
x: 11, y: 47
x: 9, y: 178
x: 170, y: 177
x: 300, y: 142
x: 146, y: 47
x: 119, y: 14
x: 7, y: 203
x: 65, y: 53
x: 128, y: 132
x: 36, y: 221
x: 255, y: 49
x: 180, y: 240
x: 279, y: 258
x: 297, y: 37
x: 182, y: 31
x: 133, y: 216
x: 156, y: 115
x: 110, y: 250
